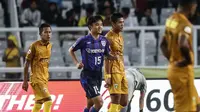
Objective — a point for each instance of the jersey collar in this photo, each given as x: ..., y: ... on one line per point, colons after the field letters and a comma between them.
x: 44, y: 44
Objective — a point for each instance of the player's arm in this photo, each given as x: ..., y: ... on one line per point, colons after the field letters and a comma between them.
x: 142, y: 95
x: 164, y: 48
x: 77, y: 45
x: 183, y: 45
x: 29, y: 57
x: 108, y: 57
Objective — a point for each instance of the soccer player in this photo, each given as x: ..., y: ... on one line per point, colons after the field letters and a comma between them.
x: 93, y: 47
x: 177, y: 47
x: 38, y: 56
x: 115, y: 78
x: 136, y: 81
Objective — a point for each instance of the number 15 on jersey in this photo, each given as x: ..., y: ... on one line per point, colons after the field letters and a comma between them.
x: 97, y: 60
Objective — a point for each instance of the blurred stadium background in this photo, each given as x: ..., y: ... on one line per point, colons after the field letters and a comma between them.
x: 144, y: 27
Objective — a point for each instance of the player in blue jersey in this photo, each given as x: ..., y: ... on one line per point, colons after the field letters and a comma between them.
x: 93, y: 48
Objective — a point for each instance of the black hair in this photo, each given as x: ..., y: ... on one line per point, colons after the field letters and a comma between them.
x: 93, y: 19
x: 43, y: 26
x: 70, y: 13
x: 185, y: 2
x: 126, y: 10
x: 115, y: 16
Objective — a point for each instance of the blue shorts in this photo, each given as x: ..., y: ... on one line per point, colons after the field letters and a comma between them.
x: 91, y: 82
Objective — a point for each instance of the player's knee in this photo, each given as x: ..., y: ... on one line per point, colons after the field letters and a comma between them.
x: 115, y: 98
x: 99, y: 103
x: 124, y: 103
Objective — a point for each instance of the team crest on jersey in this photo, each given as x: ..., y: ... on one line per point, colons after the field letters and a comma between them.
x: 115, y: 86
x: 103, y: 43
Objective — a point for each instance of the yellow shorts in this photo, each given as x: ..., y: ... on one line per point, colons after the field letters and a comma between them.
x: 119, y: 84
x: 40, y: 90
x: 183, y: 88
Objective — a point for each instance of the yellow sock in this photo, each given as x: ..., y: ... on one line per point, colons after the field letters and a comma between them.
x: 113, y: 108
x: 36, y: 107
x: 47, y: 106
x: 120, y: 107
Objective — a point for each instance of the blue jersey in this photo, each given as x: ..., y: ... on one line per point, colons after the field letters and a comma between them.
x: 92, y: 51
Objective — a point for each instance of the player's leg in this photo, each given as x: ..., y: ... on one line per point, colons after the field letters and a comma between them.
x: 115, y: 92
x: 124, y: 95
x: 43, y: 96
x: 47, y: 104
x: 98, y: 103
x: 193, y: 95
x: 89, y: 105
x: 37, y: 106
x: 131, y: 85
x: 91, y: 86
x: 97, y: 100
x: 179, y: 83
x: 38, y: 103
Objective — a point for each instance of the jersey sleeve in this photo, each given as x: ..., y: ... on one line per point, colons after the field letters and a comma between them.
x: 31, y: 52
x: 144, y: 88
x: 109, y: 38
x: 78, y: 44
x: 186, y: 30
x: 107, y: 48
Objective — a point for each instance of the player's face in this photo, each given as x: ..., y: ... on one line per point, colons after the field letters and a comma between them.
x: 97, y: 27
x: 46, y: 34
x: 119, y: 25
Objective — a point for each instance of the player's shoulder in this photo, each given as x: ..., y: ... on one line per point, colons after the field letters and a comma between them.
x: 83, y: 38
x: 35, y: 43
x: 178, y: 22
x: 109, y: 35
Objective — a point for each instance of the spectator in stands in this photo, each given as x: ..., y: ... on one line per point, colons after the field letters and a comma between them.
x: 58, y: 2
x: 70, y: 19
x: 108, y: 10
x: 4, y: 4
x: 31, y: 16
x: 140, y: 6
x: 174, y: 3
x: 148, y: 21
x: 104, y: 3
x: 12, y: 56
x: 128, y: 20
x: 83, y: 20
x: 52, y: 15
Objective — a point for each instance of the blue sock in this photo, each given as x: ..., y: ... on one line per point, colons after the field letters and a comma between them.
x: 92, y: 109
x: 86, y: 110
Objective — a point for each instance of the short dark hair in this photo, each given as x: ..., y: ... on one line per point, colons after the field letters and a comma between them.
x: 185, y: 2
x: 126, y: 10
x: 93, y: 19
x: 115, y: 16
x: 43, y: 26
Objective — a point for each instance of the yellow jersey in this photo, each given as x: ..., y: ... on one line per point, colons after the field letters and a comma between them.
x: 175, y: 25
x: 39, y: 55
x: 116, y: 46
x: 12, y: 53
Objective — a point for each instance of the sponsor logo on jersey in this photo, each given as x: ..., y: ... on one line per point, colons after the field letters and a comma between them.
x: 95, y: 50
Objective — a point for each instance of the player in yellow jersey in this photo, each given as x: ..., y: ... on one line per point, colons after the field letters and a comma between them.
x: 116, y: 81
x: 38, y: 56
x: 177, y: 47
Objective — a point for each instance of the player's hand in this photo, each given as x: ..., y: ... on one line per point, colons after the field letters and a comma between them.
x: 25, y: 86
x: 108, y: 82
x: 181, y: 63
x: 79, y: 65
